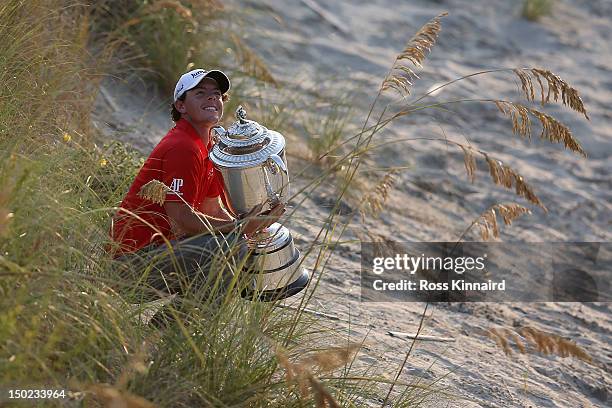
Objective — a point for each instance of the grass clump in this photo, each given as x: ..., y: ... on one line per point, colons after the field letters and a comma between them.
x: 533, y: 10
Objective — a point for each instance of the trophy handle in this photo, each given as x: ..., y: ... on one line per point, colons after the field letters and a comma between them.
x: 217, y: 132
x: 273, y: 197
x: 274, y: 162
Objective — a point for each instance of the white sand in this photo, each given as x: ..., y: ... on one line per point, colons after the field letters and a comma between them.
x: 433, y: 201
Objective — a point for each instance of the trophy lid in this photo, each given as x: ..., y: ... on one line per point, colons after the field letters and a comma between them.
x: 243, y: 132
x: 245, y: 143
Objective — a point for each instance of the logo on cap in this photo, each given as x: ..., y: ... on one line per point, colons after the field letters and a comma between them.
x: 197, y: 74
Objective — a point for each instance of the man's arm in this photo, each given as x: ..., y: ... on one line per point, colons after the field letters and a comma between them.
x: 187, y: 222
x: 215, y: 209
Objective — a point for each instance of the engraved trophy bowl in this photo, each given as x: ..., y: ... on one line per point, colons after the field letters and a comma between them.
x: 251, y: 159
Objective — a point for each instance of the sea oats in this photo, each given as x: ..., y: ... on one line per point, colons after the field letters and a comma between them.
x: 401, y: 75
x: 556, y: 132
x: 376, y: 199
x: 499, y: 336
x: 487, y: 221
x: 500, y: 174
x: 559, y: 88
x: 542, y: 342
x: 521, y: 124
x: 154, y: 191
x: 507, y: 177
x: 552, y: 130
x: 511, y: 211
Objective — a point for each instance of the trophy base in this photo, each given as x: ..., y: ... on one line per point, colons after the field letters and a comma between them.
x: 272, y: 295
x: 276, y: 265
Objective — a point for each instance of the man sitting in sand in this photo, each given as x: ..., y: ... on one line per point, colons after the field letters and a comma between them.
x: 191, y: 217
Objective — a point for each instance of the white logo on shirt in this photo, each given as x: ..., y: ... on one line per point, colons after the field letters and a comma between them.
x: 176, y: 185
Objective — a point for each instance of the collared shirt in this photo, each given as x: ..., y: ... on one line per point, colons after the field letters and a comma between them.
x: 181, y: 162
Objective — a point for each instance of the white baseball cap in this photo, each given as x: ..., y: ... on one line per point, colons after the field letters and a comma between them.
x: 190, y: 79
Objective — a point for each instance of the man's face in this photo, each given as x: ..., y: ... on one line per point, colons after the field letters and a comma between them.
x: 202, y: 104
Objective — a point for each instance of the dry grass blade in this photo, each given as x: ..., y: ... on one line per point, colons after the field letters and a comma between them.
x: 499, y: 335
x: 332, y: 358
x: 301, y: 374
x: 250, y: 62
x: 154, y: 191
x: 112, y: 397
x: 542, y: 342
x: 284, y: 362
x: 375, y: 200
x: 554, y: 84
x: 488, y: 219
x: 517, y: 341
x: 552, y: 130
x: 401, y: 75
x: 322, y: 397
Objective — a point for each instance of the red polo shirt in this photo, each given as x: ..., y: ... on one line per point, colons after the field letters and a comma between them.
x: 181, y: 162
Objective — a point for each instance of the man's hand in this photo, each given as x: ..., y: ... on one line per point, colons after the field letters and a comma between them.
x: 255, y: 220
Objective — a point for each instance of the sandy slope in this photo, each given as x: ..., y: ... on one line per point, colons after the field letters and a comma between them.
x: 433, y: 201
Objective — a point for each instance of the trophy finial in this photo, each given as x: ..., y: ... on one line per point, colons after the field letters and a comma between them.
x: 241, y: 114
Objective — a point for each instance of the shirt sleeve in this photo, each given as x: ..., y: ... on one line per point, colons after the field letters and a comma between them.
x: 182, y: 172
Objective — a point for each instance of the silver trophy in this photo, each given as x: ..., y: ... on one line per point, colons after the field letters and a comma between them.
x: 252, y: 160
